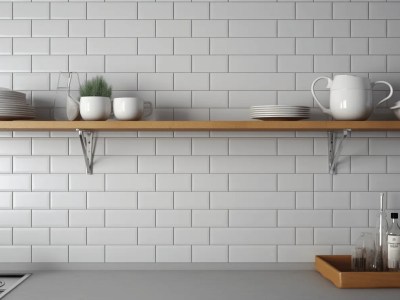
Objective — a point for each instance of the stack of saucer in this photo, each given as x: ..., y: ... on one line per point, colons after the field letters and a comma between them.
x: 279, y: 112
x: 13, y: 106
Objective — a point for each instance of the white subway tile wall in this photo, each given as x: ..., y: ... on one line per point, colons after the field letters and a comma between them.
x: 193, y: 197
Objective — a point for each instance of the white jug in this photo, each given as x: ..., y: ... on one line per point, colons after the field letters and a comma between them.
x: 350, y: 97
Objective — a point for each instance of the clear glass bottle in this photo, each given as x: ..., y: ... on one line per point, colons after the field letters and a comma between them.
x: 380, y: 259
x: 393, y: 240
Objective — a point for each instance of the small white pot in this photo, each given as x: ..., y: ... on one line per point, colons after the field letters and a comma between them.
x: 95, y: 108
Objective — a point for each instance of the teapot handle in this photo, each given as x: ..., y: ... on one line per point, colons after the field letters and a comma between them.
x: 390, y: 93
x: 323, y: 108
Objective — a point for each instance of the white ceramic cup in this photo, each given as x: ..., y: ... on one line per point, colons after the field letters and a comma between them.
x: 131, y: 108
x: 95, y: 108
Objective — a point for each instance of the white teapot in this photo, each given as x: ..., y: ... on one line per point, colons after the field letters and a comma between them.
x: 350, y: 97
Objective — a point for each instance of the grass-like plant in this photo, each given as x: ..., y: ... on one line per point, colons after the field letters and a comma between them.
x: 96, y: 87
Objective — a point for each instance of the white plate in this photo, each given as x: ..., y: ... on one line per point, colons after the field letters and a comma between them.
x: 262, y: 115
x: 279, y: 106
x: 11, y: 118
x: 16, y: 109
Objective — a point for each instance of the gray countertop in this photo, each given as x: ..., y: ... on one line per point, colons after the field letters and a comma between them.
x: 188, y: 285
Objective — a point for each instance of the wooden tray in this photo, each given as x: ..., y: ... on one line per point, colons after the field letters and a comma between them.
x: 337, y: 268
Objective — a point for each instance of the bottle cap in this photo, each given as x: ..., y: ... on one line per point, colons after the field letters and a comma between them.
x: 394, y: 215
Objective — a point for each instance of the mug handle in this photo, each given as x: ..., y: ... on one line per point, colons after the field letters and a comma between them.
x: 150, y: 109
x: 323, y: 108
x: 390, y: 93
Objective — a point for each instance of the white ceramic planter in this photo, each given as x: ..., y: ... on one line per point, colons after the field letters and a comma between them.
x: 95, y: 108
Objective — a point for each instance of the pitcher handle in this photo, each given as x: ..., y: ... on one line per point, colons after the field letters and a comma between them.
x: 390, y: 93
x: 323, y: 108
x: 150, y: 108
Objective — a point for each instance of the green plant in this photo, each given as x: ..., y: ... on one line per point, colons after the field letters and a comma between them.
x: 96, y: 87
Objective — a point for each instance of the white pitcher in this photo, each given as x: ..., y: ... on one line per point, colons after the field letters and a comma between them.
x: 350, y: 97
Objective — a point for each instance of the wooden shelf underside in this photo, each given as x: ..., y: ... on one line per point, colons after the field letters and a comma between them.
x: 199, y: 125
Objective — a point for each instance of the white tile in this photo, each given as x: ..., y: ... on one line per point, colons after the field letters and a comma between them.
x: 296, y: 146
x: 155, y: 164
x: 31, y: 236
x: 155, y: 81
x: 251, y: 81
x: 14, y: 182
x: 366, y: 63
x: 191, y: 46
x: 384, y: 10
x: 68, y: 200
x: 173, y: 218
x: 252, y: 164
x: 50, y: 254
x: 206, y: 99
x: 7, y: 11
x: 350, y: 218
x: 130, y: 28
x: 209, y: 218
x: 127, y: 46
x: 49, y: 28
x: 253, y: 10
x: 49, y: 218
x: 252, y: 254
x: 118, y: 81
x: 252, y: 218
x: 111, y: 236
x: 155, y: 46
x: 140, y: 146
x: 6, y: 165
x: 313, y: 46
x: 304, y: 200
x: 5, y: 200
x: 191, y: 81
x: 210, y: 182
x: 204, y: 146
x: 130, y: 182
x: 253, y: 63
x: 383, y: 182
x: 252, y: 200
x: 369, y: 164
x: 324, y: 63
x: 365, y: 200
x: 93, y: 63
x: 169, y: 63
x: 313, y: 10
x: 31, y: 81
x: 130, y: 218
x: 49, y: 182
x: 295, y: 63
x: 191, y: 236
x: 295, y: 28
x: 15, y: 218
x: 173, y: 28
x: 173, y: 146
x: 253, y: 236
x: 155, y: 10
x: 127, y: 63
x: 68, y: 10
x: 173, y: 254
x: 392, y: 26
x: 213, y: 63
x: 387, y: 146
x: 331, y: 236
x: 191, y: 164
x: 6, y: 236
x: 111, y: 200
x: 331, y: 200
x: 15, y: 28
x: 251, y: 28
x: 350, y: 10
x: 209, y: 254
x: 86, y: 28
x: 369, y: 28
x: 52, y: 146
x: 191, y: 10
x: 67, y: 164
x: 173, y: 99
x: 301, y: 253
x: 247, y: 46
x: 107, y: 10
x: 295, y: 182
x: 350, y: 182
x: 191, y: 200
x: 68, y: 236
x: 173, y: 182
x: 115, y: 164
x: 130, y: 254
x: 305, y: 218
x: 304, y: 236
x: 210, y: 28
x: 31, y: 200
x: 312, y: 164
x: 86, y: 218
x: 252, y: 182
x: 18, y: 254
x: 155, y: 200
x: 15, y: 63
x: 155, y: 236
x: 86, y: 254
x: 30, y: 46
x: 332, y: 28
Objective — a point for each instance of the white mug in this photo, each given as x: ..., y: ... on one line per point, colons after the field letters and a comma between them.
x: 131, y: 108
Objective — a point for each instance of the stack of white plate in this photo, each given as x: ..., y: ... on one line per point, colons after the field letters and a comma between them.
x: 279, y: 112
x: 13, y: 106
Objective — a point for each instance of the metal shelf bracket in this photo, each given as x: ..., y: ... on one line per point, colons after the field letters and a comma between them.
x: 335, y: 148
x: 88, y: 145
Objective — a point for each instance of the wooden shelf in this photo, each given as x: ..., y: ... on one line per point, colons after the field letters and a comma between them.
x: 199, y: 125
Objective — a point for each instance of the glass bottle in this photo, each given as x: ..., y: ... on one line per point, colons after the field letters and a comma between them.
x: 393, y: 245
x: 380, y: 259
